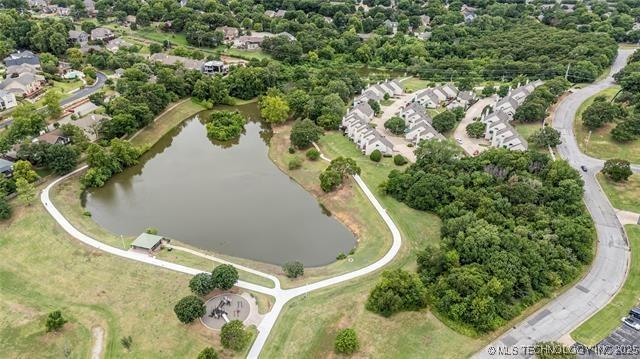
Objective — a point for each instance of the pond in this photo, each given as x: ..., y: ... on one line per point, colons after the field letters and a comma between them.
x: 228, y: 198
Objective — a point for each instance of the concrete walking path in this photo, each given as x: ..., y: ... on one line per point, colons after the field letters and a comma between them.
x: 282, y: 296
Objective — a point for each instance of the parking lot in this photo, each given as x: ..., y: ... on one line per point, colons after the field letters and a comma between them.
x: 624, y: 342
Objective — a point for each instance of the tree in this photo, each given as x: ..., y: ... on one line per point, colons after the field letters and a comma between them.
x: 444, y: 121
x: 293, y: 269
x: 617, y: 170
x: 23, y: 170
x: 54, y: 321
x: 224, y: 276
x: 304, y: 133
x: 375, y: 106
x: 61, y: 159
x: 531, y: 111
x: 26, y: 191
x: 345, y: 166
x: 476, y: 129
x: 201, y: 284
x: 234, y: 336
x: 225, y: 125
x: 396, y: 125
x: 208, y: 353
x: 294, y: 163
x: 5, y: 208
x: 376, y: 156
x: 330, y: 179
x: 545, y: 136
x: 274, y: 109
x: 346, y: 342
x: 599, y: 113
x: 189, y: 309
x: 397, y: 290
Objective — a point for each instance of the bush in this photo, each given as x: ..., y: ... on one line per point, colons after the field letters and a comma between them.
x: 294, y: 163
x: 293, y: 269
x: 225, y: 125
x: 126, y: 342
x: 208, y: 353
x: 5, y: 208
x: 234, y: 336
x: 330, y: 179
x: 201, y: 284
x: 341, y: 256
x: 224, y: 276
x: 617, y: 170
x: 399, y: 160
x: 375, y: 156
x: 313, y: 154
x: 397, y: 290
x: 292, y: 150
x: 346, y: 341
x: 189, y: 309
x: 55, y: 321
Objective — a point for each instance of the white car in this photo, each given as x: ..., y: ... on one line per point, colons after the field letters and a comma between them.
x: 459, y: 140
x: 632, y: 322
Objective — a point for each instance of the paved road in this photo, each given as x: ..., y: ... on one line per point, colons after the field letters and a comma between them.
x: 469, y: 144
x: 81, y: 93
x: 282, y: 296
x: 609, y: 268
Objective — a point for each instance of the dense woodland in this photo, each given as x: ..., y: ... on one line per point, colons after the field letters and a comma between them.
x: 514, y: 229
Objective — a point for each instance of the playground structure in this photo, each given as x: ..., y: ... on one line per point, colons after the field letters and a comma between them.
x: 224, y: 308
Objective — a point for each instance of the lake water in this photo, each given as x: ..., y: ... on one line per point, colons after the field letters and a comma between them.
x: 228, y: 198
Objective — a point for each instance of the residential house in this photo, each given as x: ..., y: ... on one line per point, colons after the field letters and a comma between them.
x: 287, y: 35
x: 413, y: 113
x: 102, y: 34
x: 7, y: 100
x: 468, y: 12
x: 356, y: 126
x: 22, y: 57
x: 280, y: 13
x: 90, y: 6
x: 270, y: 13
x: 422, y: 131
x: 16, y: 70
x: 85, y: 48
x: 464, y: 100
x: 215, y: 67
x: 425, y: 20
x: 25, y: 85
x: 428, y: 98
x: 6, y: 167
x: 502, y: 135
x: 54, y: 137
x: 89, y: 124
x: 77, y: 37
x: 426, y: 35
x: 188, y: 63
x: 391, y: 25
x: 117, y: 44
x: 230, y: 33
x: 248, y: 42
x: 37, y: 4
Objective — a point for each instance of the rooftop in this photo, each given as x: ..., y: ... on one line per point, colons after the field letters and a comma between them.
x: 146, y: 241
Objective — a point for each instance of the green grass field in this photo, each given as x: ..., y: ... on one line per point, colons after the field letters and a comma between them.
x: 412, y: 84
x: 599, y: 143
x: 307, y: 326
x: 607, y: 319
x: 623, y: 195
x: 246, y: 54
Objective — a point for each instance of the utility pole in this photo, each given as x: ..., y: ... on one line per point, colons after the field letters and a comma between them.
x: 566, y: 74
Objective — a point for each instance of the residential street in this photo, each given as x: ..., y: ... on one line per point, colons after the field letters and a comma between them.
x: 399, y: 142
x: 469, y: 144
x: 609, y: 268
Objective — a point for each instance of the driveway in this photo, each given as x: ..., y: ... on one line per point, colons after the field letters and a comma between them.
x: 608, y: 270
x: 470, y: 144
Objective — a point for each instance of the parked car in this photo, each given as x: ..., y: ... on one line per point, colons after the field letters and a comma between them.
x: 459, y: 140
x: 631, y: 322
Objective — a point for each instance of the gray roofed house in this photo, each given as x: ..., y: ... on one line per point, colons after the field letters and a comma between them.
x: 20, y: 69
x: 102, y: 34
x: 117, y: 44
x: 230, y: 33
x: 364, y: 108
x: 76, y: 36
x: 428, y: 98
x: 280, y: 13
x: 270, y: 13
x: 188, y: 63
x: 287, y: 35
x: 25, y: 84
x: 6, y: 167
x: 22, y: 57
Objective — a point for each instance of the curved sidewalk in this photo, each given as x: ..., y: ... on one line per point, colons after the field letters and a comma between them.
x: 609, y: 268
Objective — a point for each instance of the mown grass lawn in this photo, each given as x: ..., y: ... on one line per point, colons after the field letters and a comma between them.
x: 413, y: 84
x: 43, y: 269
x: 308, y: 325
x: 246, y: 54
x: 623, y: 195
x: 167, y: 121
x: 606, y: 320
x: 599, y: 143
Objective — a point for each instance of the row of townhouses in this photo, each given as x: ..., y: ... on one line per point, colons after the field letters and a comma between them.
x: 499, y: 130
x: 418, y: 123
x: 446, y: 95
x: 356, y: 123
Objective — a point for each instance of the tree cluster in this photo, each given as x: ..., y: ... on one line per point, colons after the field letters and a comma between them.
x: 514, y: 229
x: 333, y: 176
x: 225, y: 125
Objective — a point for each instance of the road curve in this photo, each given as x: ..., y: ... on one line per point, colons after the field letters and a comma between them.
x: 101, y: 79
x: 282, y: 296
x: 609, y: 268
